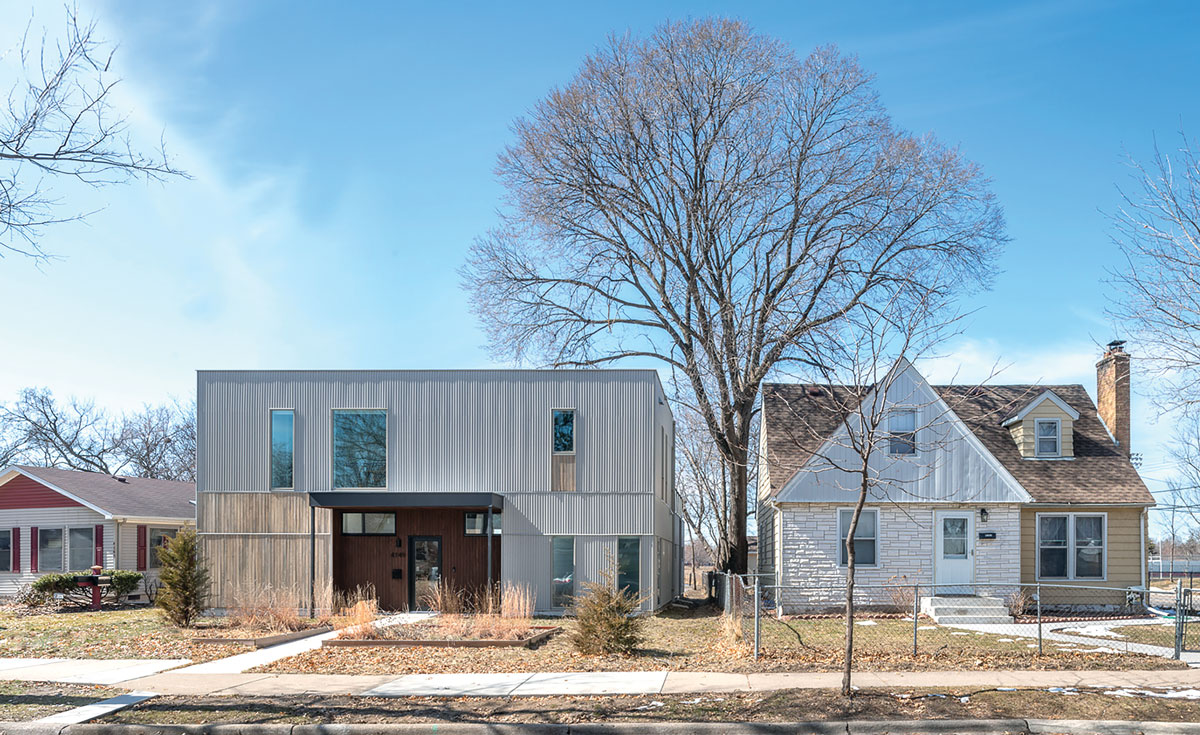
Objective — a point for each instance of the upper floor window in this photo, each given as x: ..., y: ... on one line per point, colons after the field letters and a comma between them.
x: 1048, y: 434
x: 902, y: 431
x: 563, y: 430
x: 359, y: 448
x: 283, y: 437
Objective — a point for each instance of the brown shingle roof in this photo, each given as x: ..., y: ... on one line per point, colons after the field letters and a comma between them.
x: 795, y: 423
x: 124, y: 496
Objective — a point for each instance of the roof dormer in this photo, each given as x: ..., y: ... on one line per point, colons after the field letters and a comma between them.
x: 1044, y: 428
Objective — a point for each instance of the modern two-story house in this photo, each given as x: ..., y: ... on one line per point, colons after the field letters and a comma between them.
x: 974, y: 490
x: 315, y: 482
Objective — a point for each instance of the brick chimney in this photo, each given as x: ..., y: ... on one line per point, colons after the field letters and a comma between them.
x: 1112, y: 392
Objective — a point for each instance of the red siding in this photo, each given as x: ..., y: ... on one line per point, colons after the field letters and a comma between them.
x: 33, y: 549
x: 22, y: 492
x: 142, y: 535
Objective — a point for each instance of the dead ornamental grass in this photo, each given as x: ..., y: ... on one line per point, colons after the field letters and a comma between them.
x: 501, y: 613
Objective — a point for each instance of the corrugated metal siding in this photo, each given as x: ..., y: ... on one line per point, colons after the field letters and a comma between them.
x: 526, y: 561
x: 477, y: 431
x: 951, y: 466
x: 578, y: 514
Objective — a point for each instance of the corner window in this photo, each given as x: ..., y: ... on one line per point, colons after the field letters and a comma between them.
x: 81, y: 549
x: 563, y: 430
x: 476, y: 523
x: 865, y: 537
x: 6, y: 560
x: 359, y: 448
x: 1071, y: 546
x: 159, y: 538
x: 629, y: 565
x: 50, y: 550
x: 562, y: 571
x: 283, y: 438
x: 1048, y: 433
x: 368, y: 524
x: 902, y: 431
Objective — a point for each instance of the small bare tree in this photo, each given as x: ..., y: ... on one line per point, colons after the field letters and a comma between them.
x: 60, y: 123
x: 706, y: 198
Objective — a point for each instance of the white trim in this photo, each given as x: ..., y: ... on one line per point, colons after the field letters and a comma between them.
x: 52, y: 486
x: 271, y: 448
x: 938, y: 515
x: 62, y: 549
x: 1037, y: 439
x: 387, y: 464
x: 1070, y: 548
x: 1047, y: 395
x: 91, y: 529
x: 10, y: 569
x: 841, y: 542
x: 912, y: 411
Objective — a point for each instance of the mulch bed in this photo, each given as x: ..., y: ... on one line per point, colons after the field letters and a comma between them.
x: 538, y: 633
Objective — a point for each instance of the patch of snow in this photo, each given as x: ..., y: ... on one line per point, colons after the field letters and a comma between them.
x: 1093, y: 631
x: 926, y: 627
x: 1004, y: 640
x: 653, y: 704
x: 866, y: 622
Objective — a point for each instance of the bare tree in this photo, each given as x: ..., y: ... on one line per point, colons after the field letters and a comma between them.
x: 76, y: 434
x: 1157, y: 291
x: 705, y: 198
x: 159, y: 442
x: 702, y: 482
x: 60, y: 123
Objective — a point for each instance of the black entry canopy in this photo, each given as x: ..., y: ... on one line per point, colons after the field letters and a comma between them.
x: 406, y: 500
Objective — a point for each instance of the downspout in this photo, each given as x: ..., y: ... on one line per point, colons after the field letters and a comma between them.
x: 489, y: 547
x: 1142, y: 533
x: 312, y: 561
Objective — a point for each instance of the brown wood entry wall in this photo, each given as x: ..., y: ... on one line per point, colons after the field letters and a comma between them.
x: 373, y: 560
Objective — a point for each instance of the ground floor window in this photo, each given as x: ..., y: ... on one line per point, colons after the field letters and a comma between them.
x: 81, y: 549
x: 50, y: 550
x: 6, y: 560
x: 629, y: 565
x: 866, y: 537
x: 1071, y: 545
x: 476, y: 523
x: 159, y: 538
x: 562, y: 570
x: 368, y: 524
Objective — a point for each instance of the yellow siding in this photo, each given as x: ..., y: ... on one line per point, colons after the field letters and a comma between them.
x: 1124, y: 560
x: 1023, y: 431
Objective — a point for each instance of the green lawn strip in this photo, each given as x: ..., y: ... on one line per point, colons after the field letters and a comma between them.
x: 20, y: 701
x: 782, y: 706
x: 136, y: 633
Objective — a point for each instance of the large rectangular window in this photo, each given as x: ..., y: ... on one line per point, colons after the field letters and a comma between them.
x: 563, y: 430
x: 159, y: 538
x: 476, y: 523
x: 1049, y: 437
x: 81, y: 550
x: 1071, y: 546
x: 6, y: 560
x: 283, y: 439
x: 368, y: 524
x: 562, y: 570
x: 866, y: 537
x: 50, y: 550
x: 629, y: 565
x: 902, y: 431
x: 360, y: 448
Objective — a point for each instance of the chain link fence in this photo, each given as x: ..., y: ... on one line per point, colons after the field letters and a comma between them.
x: 990, y: 623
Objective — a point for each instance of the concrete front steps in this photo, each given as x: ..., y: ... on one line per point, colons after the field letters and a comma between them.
x: 965, y: 609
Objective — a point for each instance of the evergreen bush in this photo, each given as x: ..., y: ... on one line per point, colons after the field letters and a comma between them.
x: 183, y: 579
x: 605, y: 622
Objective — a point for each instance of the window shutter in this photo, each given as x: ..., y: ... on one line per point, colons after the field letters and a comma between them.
x: 16, y: 550
x: 99, y: 536
x: 33, y: 549
x: 141, y: 548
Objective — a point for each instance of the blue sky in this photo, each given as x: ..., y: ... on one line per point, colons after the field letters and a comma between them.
x: 343, y: 163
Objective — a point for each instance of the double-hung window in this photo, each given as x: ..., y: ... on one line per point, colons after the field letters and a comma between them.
x: 1048, y: 435
x: 50, y: 550
x: 6, y: 555
x: 283, y: 440
x: 1071, y: 545
x: 902, y: 431
x: 159, y: 538
x: 81, y: 549
x: 866, y: 537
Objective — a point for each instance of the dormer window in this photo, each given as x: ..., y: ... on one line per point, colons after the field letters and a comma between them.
x: 1049, y: 437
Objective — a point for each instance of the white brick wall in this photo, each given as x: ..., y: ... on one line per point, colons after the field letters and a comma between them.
x: 810, y: 548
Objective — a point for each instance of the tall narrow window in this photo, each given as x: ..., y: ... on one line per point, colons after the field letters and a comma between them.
x: 563, y: 428
x: 865, y: 536
x: 159, y: 538
x: 902, y: 431
x: 6, y: 560
x: 81, y: 550
x: 50, y: 550
x: 283, y: 439
x: 1049, y: 437
x: 1052, y: 547
x: 629, y: 565
x: 562, y: 570
x: 1089, y: 547
x: 360, y: 448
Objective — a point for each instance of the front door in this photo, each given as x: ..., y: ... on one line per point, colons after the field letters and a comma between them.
x: 424, y: 569
x: 954, y: 552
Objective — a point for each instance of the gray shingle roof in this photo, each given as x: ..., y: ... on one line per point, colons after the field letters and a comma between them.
x: 123, y: 496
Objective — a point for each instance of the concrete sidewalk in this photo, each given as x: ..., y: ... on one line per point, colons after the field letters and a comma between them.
x: 638, y: 682
x: 84, y: 670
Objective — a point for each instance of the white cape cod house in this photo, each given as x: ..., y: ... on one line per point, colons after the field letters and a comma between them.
x: 979, y: 490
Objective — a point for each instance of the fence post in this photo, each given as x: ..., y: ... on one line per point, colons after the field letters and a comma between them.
x: 728, y: 593
x: 756, y: 603
x: 1039, y: 616
x: 916, y: 613
x: 1180, y: 616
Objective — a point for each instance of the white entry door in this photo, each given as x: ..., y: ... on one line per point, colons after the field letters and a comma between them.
x: 954, y: 551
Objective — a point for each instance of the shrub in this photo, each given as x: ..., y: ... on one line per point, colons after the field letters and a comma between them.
x: 184, y: 579
x: 1018, y: 602
x: 902, y: 593
x: 26, y: 595
x: 122, y: 583
x: 605, y: 621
